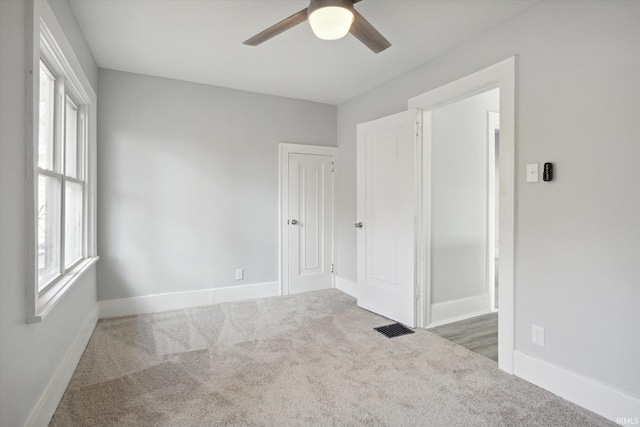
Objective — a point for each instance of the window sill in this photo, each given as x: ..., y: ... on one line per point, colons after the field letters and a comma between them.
x: 49, y: 298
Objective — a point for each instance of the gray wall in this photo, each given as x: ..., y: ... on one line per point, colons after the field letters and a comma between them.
x: 188, y: 182
x: 459, y: 197
x: 30, y: 354
x: 577, y: 238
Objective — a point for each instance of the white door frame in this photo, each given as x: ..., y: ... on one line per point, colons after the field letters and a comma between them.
x: 285, y: 150
x: 500, y: 75
x: 493, y: 125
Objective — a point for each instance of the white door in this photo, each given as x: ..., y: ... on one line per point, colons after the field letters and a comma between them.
x: 387, y: 200
x: 310, y: 222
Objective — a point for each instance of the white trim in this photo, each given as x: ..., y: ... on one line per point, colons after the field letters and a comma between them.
x: 460, y: 309
x: 500, y: 75
x: 180, y: 300
x: 48, y: 402
x: 283, y: 241
x: 423, y: 221
x: 493, y: 125
x: 420, y: 265
x: 347, y: 286
x: 52, y: 295
x: 590, y: 394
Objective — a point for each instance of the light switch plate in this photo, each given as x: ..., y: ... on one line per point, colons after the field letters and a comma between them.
x: 532, y: 173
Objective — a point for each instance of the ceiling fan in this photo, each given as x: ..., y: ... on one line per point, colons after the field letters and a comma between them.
x: 329, y: 20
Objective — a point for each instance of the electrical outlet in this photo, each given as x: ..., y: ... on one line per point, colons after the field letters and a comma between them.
x: 537, y: 335
x: 239, y: 273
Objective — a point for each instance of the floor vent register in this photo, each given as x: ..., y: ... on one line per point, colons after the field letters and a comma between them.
x: 394, y: 330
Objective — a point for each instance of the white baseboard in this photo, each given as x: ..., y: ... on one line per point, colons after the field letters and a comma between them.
x: 592, y: 395
x: 465, y: 308
x: 347, y: 286
x: 48, y: 402
x: 179, y: 300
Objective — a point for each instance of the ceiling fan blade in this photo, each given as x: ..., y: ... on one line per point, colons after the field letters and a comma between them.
x: 280, y: 27
x: 368, y: 35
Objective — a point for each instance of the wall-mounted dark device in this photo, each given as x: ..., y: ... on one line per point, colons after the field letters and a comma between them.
x: 547, y: 175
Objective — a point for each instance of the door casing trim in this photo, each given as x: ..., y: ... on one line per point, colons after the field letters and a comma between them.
x: 283, y: 241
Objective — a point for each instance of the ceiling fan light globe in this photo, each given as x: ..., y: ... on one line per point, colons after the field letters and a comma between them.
x: 331, y: 22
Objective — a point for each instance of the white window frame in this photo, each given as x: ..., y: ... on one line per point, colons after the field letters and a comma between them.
x: 47, y: 41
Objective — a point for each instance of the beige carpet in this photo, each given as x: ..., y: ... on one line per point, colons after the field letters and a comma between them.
x: 309, y: 359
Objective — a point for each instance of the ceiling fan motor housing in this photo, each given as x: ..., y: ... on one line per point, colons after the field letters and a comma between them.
x: 319, y: 4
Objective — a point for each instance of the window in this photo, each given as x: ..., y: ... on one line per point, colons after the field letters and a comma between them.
x: 60, y: 215
x: 62, y: 148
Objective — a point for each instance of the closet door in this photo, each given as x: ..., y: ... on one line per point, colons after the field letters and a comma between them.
x: 310, y: 222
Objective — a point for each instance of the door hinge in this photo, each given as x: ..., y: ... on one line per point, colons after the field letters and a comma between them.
x: 332, y: 268
x: 332, y: 166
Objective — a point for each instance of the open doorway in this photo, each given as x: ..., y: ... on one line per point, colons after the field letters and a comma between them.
x: 464, y: 220
x: 466, y: 231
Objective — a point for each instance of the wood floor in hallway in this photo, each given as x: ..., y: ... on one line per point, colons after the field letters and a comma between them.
x: 478, y: 334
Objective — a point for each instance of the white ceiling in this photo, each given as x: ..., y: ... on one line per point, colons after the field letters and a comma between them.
x: 201, y: 41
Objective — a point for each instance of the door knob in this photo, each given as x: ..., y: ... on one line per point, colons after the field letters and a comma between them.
x: 358, y: 225
x: 294, y: 221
